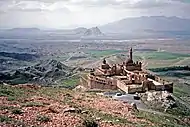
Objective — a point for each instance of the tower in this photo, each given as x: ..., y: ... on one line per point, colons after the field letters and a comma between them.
x: 104, y: 61
x: 131, y: 54
x: 130, y: 57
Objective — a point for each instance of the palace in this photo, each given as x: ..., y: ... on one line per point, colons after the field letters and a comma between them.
x: 127, y: 76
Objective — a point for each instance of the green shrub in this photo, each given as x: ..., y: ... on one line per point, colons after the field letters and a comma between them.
x: 89, y: 123
x: 2, y: 107
x: 13, y: 122
x: 17, y: 111
x: 11, y: 92
x: 70, y: 83
x: 5, y: 119
x: 11, y: 98
x: 5, y: 92
x: 43, y: 118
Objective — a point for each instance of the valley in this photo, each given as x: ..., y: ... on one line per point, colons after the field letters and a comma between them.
x: 54, y: 61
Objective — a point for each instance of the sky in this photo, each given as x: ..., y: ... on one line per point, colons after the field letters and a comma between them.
x: 84, y: 13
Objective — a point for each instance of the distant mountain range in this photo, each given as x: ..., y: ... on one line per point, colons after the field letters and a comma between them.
x: 140, y: 27
x: 147, y: 24
x: 94, y: 31
x: 77, y: 33
x: 24, y: 30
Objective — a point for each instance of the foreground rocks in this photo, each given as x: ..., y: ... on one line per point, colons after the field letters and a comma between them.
x: 159, y: 99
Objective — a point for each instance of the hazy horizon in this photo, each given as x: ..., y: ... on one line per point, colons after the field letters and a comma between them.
x: 83, y: 26
x: 83, y: 13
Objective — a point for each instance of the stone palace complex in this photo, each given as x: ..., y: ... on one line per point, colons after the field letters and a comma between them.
x: 127, y: 76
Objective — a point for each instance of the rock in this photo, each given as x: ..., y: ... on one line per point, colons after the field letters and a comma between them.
x: 150, y: 96
x: 160, y: 98
x: 187, y: 120
x: 117, y: 120
x: 80, y: 88
x: 101, y: 94
x: 5, y: 84
x: 54, y: 109
x: 134, y: 106
x: 98, y: 118
x: 72, y: 110
x: 84, y: 112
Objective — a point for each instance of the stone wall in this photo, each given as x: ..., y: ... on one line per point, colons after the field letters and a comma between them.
x: 121, y: 85
x: 95, y: 82
x: 134, y: 89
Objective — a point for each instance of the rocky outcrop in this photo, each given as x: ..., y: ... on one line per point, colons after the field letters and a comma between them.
x: 94, y: 31
x: 161, y: 99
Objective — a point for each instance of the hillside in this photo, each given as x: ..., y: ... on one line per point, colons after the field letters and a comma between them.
x: 31, y: 105
x: 20, y: 56
x: 45, y: 72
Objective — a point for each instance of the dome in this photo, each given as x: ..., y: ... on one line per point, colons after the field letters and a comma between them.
x: 129, y: 61
x: 105, y: 65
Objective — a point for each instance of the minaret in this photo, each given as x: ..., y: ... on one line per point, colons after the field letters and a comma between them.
x: 131, y: 54
x: 104, y: 61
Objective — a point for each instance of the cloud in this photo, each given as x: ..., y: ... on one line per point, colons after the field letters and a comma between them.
x: 61, y: 13
x: 51, y: 5
x: 31, y: 6
x: 127, y: 3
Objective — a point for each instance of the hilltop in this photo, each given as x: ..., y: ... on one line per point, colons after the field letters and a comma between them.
x: 32, y: 105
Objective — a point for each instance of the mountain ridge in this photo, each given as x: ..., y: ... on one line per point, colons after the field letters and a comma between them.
x: 24, y: 29
x: 156, y: 23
